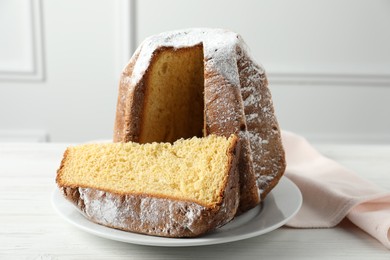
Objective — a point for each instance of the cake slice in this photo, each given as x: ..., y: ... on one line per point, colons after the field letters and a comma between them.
x: 184, y: 189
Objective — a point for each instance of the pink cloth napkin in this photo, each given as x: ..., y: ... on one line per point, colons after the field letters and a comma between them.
x: 331, y: 192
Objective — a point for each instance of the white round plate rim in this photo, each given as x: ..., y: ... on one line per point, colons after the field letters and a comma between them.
x: 282, y: 203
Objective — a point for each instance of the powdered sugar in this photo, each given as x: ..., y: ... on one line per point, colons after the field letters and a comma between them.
x: 146, y: 214
x: 218, y: 44
x: 251, y: 117
x: 262, y: 131
x: 251, y: 100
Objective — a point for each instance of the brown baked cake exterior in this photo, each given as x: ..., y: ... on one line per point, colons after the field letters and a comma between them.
x: 197, y: 82
x: 149, y: 214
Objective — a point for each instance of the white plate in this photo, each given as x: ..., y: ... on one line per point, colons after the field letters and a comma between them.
x: 280, y: 206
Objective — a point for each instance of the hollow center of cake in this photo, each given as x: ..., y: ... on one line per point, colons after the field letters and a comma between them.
x: 173, y: 106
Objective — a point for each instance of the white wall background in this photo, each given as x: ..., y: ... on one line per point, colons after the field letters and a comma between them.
x: 74, y: 97
x: 328, y: 62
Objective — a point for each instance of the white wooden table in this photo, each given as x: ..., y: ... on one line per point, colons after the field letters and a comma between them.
x: 31, y: 229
